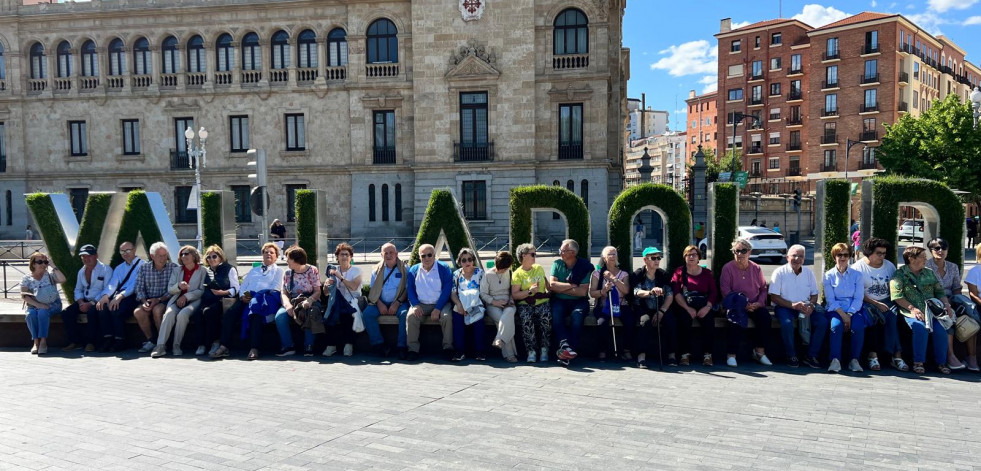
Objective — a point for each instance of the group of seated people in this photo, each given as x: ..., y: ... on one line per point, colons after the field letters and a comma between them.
x: 651, y: 305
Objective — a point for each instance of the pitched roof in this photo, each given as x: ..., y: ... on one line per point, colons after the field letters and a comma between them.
x: 854, y: 19
x: 760, y: 24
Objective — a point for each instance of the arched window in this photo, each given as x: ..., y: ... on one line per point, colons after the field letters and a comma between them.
x: 336, y: 48
x: 584, y: 191
x: 571, y: 185
x: 64, y: 59
x: 141, y: 57
x: 223, y: 53
x: 383, y: 45
x: 280, y: 50
x: 171, y: 61
x: 196, y: 61
x: 306, y: 50
x: 398, y: 201
x: 571, y: 34
x: 117, y: 58
x: 39, y: 66
x: 251, y: 58
x: 90, y: 60
x: 3, y: 64
x: 371, y: 203
x: 385, y: 202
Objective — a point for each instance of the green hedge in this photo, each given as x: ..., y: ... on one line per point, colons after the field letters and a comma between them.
x: 726, y: 224
x: 631, y: 201
x: 442, y: 214
x: 525, y: 198
x: 55, y: 240
x: 306, y: 222
x: 137, y: 220
x: 211, y: 219
x: 837, y: 202
x: 889, y: 191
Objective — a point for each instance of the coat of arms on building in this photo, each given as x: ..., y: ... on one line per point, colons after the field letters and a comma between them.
x: 472, y: 9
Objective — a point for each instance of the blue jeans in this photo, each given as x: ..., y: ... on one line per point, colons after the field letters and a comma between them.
x: 820, y: 321
x: 888, y: 333
x: 838, y: 333
x: 562, y: 308
x: 283, y: 321
x: 370, y: 318
x: 38, y: 320
x: 819, y: 326
x: 920, y: 337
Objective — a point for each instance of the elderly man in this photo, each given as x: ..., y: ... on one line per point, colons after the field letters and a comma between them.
x: 794, y: 291
x: 388, y: 296
x: 569, y: 284
x: 118, y: 299
x: 429, y: 285
x: 89, y: 284
x: 152, y: 293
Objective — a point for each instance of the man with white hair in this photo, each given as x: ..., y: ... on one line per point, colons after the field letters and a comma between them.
x: 794, y: 291
x: 569, y: 283
x: 429, y: 285
x: 152, y: 292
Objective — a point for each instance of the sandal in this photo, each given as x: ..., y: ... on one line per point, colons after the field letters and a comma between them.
x: 221, y: 352
x: 685, y: 359
x: 901, y: 365
x: 918, y: 368
x: 874, y: 364
x: 511, y: 359
x: 707, y: 359
x: 943, y: 369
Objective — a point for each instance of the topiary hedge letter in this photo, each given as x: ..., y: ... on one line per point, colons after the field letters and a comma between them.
x: 661, y: 198
x: 524, y: 199
x: 834, y: 205
x: 443, y: 221
x: 145, y: 216
x: 724, y: 201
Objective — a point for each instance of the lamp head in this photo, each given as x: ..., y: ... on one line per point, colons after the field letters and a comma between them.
x: 189, y: 133
x: 203, y: 133
x: 976, y: 97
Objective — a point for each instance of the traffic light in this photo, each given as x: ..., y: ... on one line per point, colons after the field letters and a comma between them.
x: 257, y: 159
x: 797, y: 198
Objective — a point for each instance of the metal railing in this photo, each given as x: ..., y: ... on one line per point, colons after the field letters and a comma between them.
x: 570, y: 151
x: 179, y: 160
x: 869, y: 78
x: 473, y: 152
x: 383, y: 155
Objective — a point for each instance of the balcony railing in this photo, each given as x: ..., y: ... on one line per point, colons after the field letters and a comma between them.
x: 179, y: 160
x: 473, y: 152
x: 829, y: 84
x: 335, y: 73
x: 870, y: 49
x: 381, y: 70
x: 570, y: 151
x: 570, y: 61
x: 829, y: 167
x: 223, y: 78
x: 795, y: 121
x: 903, y: 107
x: 251, y: 76
x: 869, y: 136
x: 869, y: 164
x: 115, y: 82
x: 196, y: 79
x: 869, y: 78
x: 904, y: 77
x: 168, y: 80
x: 793, y: 146
x: 755, y: 173
x: 756, y: 76
x: 62, y: 84
x: 831, y: 55
x: 88, y: 83
x: 868, y: 108
x: 307, y: 74
x: 827, y: 112
x: 383, y: 155
x: 793, y: 71
x: 829, y: 139
x: 756, y: 149
x: 906, y: 48
x: 279, y: 75
x: 142, y: 81
x: 755, y: 101
x: 798, y: 95
x: 793, y: 172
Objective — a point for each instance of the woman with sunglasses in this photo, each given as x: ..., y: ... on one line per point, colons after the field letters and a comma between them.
x: 843, y: 295
x: 910, y: 288
x: 695, y: 295
x: 39, y: 288
x: 876, y: 272
x: 467, y: 303
x: 609, y: 304
x: 529, y: 289
x: 743, y: 288
x: 186, y: 287
x: 652, y: 298
x: 220, y: 283
x: 949, y: 274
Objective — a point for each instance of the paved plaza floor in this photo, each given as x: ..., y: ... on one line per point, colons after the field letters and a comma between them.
x: 132, y: 413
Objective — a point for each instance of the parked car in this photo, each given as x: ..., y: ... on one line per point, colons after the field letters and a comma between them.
x: 766, y: 244
x: 911, y: 230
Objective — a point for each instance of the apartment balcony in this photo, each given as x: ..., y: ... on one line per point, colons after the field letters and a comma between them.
x: 831, y: 55
x: 755, y: 174
x: 381, y: 70
x: 755, y: 125
x: 88, y: 84
x: 168, y: 81
x: 826, y: 84
x: 869, y: 136
x: 279, y: 76
x: 906, y: 48
x: 798, y: 95
x: 946, y: 70
x: 867, y: 108
x: 795, y: 121
x: 827, y: 112
x: 793, y: 146
x: 904, y: 77
x: 869, y: 164
x: 251, y: 77
x: 223, y: 78
x: 570, y: 151
x: 793, y: 172
x: 829, y: 139
x: 829, y: 167
x: 755, y: 101
x: 383, y: 155
x: 335, y: 73
x: 867, y: 79
x: 307, y: 74
x: 473, y: 151
x: 756, y: 150
x: 870, y: 49
x: 570, y: 61
x: 179, y: 160
x: 756, y: 77
x: 793, y: 71
x: 903, y: 107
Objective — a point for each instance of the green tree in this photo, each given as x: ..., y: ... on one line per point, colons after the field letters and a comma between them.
x: 941, y: 144
x: 714, y: 164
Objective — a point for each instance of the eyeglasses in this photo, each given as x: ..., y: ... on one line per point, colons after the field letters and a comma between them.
x: 938, y: 249
x: 184, y: 254
x: 566, y: 250
x: 693, y: 254
x: 653, y: 259
x: 531, y: 254
x: 844, y: 255
x: 344, y: 253
x: 41, y: 262
x: 125, y: 251
x: 213, y: 256
x: 740, y: 251
x: 426, y: 255
x: 466, y: 260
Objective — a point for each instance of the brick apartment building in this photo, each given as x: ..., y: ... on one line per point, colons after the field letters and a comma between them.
x: 703, y: 119
x: 801, y: 97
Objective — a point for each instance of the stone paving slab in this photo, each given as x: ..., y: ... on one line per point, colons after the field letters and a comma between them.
x: 134, y: 412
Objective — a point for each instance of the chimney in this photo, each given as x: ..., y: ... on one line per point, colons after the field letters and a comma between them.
x: 726, y: 25
x: 691, y: 94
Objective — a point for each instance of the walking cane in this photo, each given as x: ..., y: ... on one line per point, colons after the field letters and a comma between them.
x: 609, y: 300
x: 660, y: 358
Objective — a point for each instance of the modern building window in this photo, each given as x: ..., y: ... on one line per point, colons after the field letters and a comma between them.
x: 306, y: 50
x: 475, y: 199
x: 916, y: 99
x: 291, y: 201
x: 776, y: 38
x: 869, y: 130
x: 384, y: 202
x: 141, y: 57
x: 280, y: 50
x: 756, y: 94
x: 757, y: 68
x: 131, y: 136
x: 795, y: 64
x: 90, y: 60
x: 64, y: 59
x: 337, y: 48
x: 571, y: 33
x: 170, y: 57
x: 196, y: 61
x: 776, y: 63
x: 916, y: 70
x: 384, y: 136
x: 756, y: 43
x: 735, y: 45
x: 182, y: 215
x: 872, y: 41
x: 831, y: 76
x: 830, y: 133
x: 382, y: 40
x: 239, y: 135
x: 39, y: 66
x: 473, y: 119
x: 295, y: 132
x: 774, y: 114
x: 3, y: 148
x: 871, y: 71
x: 774, y: 89
x: 774, y: 138
x: 831, y: 102
x: 570, y: 131
x: 870, y: 100
x: 735, y: 94
x: 243, y: 211
x: 829, y: 159
x: 180, y: 126
x: 398, y: 201
x: 371, y: 203
x: 117, y: 58
x: 832, y: 49
x: 224, y: 54
x: 795, y: 139
x: 78, y: 138
x: 251, y: 52
x: 774, y: 163
x: 77, y: 197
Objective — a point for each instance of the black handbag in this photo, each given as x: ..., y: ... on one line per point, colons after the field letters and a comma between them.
x: 694, y: 299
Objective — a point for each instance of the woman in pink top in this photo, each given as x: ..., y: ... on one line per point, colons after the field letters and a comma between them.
x: 695, y: 297
x: 743, y: 290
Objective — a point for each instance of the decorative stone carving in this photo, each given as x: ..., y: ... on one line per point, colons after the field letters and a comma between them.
x: 570, y: 93
x: 473, y: 49
x: 472, y: 10
x: 182, y: 104
x: 382, y: 101
x: 472, y: 62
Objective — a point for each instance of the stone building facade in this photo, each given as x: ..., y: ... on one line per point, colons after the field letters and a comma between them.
x: 374, y: 102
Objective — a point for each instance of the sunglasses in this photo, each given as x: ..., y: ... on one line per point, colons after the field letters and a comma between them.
x: 213, y: 257
x: 844, y: 255
x: 41, y: 262
x: 466, y: 260
x: 653, y: 259
x: 184, y: 254
x: 740, y: 251
x: 532, y: 254
x: 425, y: 255
x: 939, y: 249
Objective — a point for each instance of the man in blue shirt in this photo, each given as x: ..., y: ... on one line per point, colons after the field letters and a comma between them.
x: 89, y: 284
x: 118, y: 300
x: 569, y: 284
x: 429, y: 285
x: 388, y: 296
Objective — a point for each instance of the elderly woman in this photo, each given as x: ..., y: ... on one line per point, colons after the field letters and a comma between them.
x: 220, y: 282
x: 301, y: 292
x: 257, y: 304
x: 843, y: 295
x: 911, y: 286
x: 610, y: 286
x: 495, y: 291
x: 949, y: 275
x: 467, y: 305
x: 186, y: 287
x: 973, y: 280
x: 529, y: 289
x: 652, y: 298
x: 39, y: 288
x: 345, y: 281
x: 695, y: 295
x: 876, y: 272
x: 743, y: 288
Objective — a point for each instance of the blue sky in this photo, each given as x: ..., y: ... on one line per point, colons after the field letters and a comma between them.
x: 672, y: 49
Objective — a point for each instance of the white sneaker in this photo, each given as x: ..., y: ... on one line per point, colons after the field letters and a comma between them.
x: 835, y: 366
x: 147, y: 347
x: 159, y: 351
x: 532, y: 357
x: 214, y: 348
x: 200, y: 350
x: 544, y: 356
x: 348, y: 350
x: 330, y: 351
x: 855, y: 366
x: 762, y: 359
x: 177, y: 351
x: 731, y: 361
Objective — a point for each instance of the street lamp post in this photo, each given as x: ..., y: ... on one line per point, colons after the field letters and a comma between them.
x: 756, y: 195
x: 976, y: 105
x: 736, y: 118
x: 848, y: 146
x: 197, y: 157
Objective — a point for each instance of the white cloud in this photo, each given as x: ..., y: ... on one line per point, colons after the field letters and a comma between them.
x: 941, y: 6
x: 740, y: 24
x: 928, y: 21
x: 874, y: 3
x: 693, y: 57
x: 817, y: 15
x: 974, y: 20
x: 711, y: 83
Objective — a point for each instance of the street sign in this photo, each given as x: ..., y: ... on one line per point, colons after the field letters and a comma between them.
x: 724, y: 176
x: 742, y: 178
x: 854, y: 188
